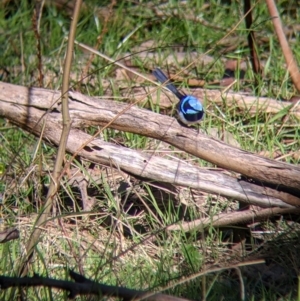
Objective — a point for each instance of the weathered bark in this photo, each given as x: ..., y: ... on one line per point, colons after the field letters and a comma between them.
x: 38, y: 111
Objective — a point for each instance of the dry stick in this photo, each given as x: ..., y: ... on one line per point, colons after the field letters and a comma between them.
x: 129, y: 160
x: 83, y: 286
x: 251, y: 38
x: 242, y: 285
x: 287, y: 52
x: 87, y: 111
x: 95, y: 52
x: 35, y: 235
x: 225, y: 219
x: 152, y: 167
x: 158, y: 126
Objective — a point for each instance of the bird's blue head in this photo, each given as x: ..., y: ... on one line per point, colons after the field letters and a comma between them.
x: 190, y: 109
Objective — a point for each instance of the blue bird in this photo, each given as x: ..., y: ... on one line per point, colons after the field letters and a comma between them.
x: 189, y: 108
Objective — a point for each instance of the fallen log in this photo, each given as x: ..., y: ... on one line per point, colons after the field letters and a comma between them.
x: 38, y: 111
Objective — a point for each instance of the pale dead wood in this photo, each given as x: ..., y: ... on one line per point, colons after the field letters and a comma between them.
x: 144, y: 165
x: 25, y: 107
x: 239, y: 217
x: 248, y: 103
x: 243, y: 101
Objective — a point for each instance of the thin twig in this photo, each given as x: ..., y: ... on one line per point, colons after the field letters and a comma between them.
x: 242, y: 285
x: 83, y: 286
x: 287, y: 52
x: 54, y: 185
x: 251, y: 38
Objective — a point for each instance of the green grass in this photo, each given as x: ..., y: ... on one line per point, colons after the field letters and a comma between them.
x: 109, y: 243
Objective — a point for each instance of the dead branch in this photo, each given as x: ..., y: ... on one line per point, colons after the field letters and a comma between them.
x: 26, y: 108
x: 83, y: 286
x: 239, y: 217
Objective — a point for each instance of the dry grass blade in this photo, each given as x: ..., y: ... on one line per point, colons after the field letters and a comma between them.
x: 36, y: 233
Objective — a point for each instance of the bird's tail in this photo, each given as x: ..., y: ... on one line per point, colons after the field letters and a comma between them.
x: 160, y: 76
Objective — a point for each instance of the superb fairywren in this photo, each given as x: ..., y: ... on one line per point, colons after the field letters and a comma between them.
x: 189, y: 108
